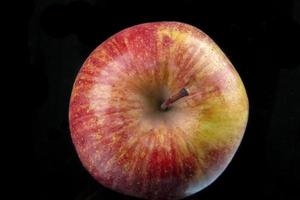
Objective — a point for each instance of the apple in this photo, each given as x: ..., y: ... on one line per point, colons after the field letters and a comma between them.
x: 157, y: 111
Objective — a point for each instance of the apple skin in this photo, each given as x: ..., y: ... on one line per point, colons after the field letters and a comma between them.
x: 122, y: 137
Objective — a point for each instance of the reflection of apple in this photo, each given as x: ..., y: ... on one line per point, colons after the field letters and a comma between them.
x: 157, y: 111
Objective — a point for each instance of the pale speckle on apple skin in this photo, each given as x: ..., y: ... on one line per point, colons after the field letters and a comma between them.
x: 129, y: 146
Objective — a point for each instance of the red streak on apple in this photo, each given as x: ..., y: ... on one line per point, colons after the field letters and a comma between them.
x: 120, y: 125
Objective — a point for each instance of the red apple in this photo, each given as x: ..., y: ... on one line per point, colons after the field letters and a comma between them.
x: 157, y: 111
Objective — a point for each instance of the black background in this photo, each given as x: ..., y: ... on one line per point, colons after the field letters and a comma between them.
x: 262, y: 39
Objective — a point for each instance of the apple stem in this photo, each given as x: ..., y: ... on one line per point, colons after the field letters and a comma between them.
x: 167, y: 103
